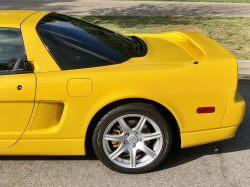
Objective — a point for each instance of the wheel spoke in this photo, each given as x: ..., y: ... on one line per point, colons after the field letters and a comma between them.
x: 117, y: 152
x: 151, y: 136
x: 148, y: 151
x: 132, y: 153
x: 114, y: 138
x: 124, y: 125
x: 140, y: 124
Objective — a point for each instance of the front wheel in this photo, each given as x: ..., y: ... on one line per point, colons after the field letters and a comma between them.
x: 132, y: 138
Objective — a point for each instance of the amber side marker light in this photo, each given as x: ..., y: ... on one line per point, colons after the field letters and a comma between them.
x: 202, y: 110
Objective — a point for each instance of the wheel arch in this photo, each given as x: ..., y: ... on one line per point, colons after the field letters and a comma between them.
x: 166, y: 113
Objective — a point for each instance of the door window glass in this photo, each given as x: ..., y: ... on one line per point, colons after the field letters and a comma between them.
x: 11, y: 47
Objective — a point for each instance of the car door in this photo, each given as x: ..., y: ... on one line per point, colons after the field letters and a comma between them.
x: 17, y: 87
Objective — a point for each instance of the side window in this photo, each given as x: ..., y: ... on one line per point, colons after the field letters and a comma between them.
x: 76, y: 44
x: 12, y: 51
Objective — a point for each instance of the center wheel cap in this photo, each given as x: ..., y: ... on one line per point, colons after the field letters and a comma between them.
x: 132, y: 139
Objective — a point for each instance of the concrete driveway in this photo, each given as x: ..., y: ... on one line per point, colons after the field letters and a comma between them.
x: 131, y: 8
x: 225, y: 163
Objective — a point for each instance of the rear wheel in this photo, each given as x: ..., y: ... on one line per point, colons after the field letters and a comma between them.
x: 132, y: 138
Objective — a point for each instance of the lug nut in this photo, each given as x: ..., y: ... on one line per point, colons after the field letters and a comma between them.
x: 135, y: 132
x: 133, y: 145
x: 139, y: 139
x: 127, y: 134
x: 125, y: 141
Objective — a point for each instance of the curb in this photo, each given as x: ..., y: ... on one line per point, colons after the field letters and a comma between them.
x: 243, y: 64
x: 243, y: 69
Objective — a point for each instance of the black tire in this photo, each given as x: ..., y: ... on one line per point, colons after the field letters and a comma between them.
x: 146, y: 110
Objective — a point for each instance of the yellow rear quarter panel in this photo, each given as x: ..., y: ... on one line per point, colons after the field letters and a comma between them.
x: 182, y: 95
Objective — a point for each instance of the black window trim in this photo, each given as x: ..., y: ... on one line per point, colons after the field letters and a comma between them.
x: 43, y: 41
x: 8, y: 72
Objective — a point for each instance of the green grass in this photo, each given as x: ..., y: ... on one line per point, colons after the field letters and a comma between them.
x: 222, y: 1
x: 231, y: 33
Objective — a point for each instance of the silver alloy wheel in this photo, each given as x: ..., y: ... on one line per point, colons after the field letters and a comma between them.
x: 133, y: 150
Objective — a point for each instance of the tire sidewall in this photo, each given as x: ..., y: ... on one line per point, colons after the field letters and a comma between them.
x: 132, y: 109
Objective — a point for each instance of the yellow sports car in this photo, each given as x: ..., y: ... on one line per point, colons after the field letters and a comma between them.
x: 66, y: 84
